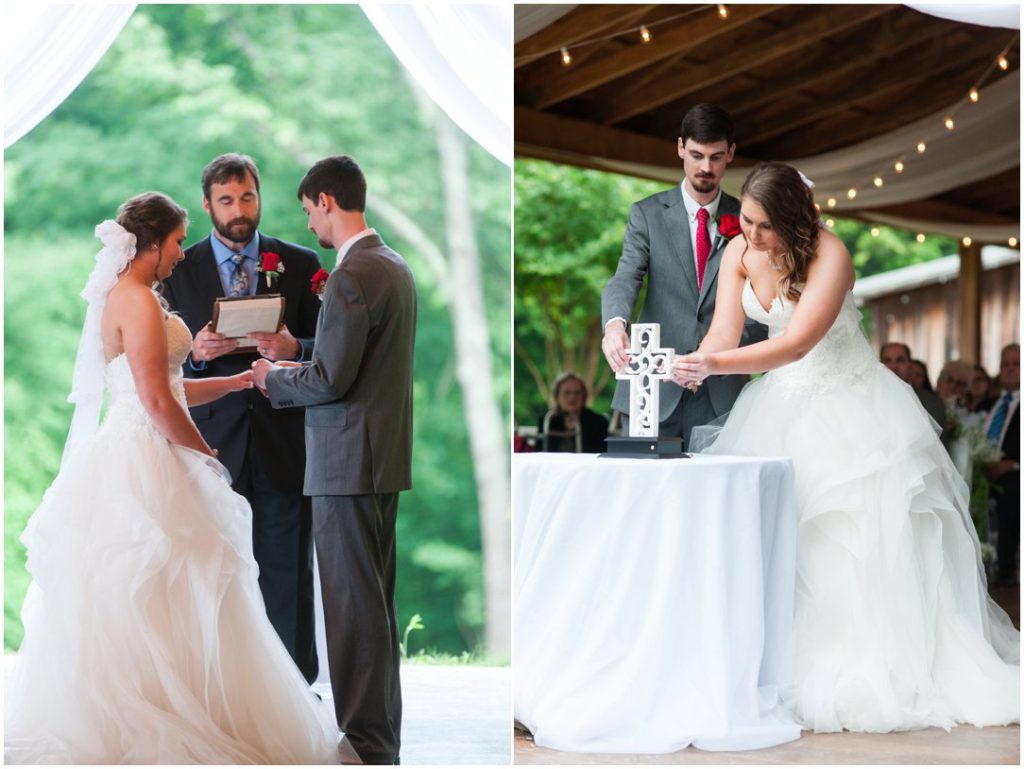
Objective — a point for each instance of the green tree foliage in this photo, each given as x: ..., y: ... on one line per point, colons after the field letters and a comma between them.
x: 288, y: 85
x: 568, y: 236
x: 890, y: 249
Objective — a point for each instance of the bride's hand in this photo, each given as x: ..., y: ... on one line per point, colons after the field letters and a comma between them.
x: 691, y: 369
x: 243, y: 380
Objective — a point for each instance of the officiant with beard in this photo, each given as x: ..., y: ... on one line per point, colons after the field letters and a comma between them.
x: 263, y: 448
x: 675, y: 239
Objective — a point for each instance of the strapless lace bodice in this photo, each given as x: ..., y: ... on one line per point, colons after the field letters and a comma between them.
x: 124, y: 409
x: 843, y: 357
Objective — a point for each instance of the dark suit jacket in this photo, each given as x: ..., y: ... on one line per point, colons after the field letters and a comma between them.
x: 1011, y: 441
x: 657, y: 245
x: 358, y: 387
x: 593, y: 431
x: 228, y: 424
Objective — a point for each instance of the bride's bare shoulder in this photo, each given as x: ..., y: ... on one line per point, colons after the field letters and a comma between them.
x: 732, y: 256
x: 833, y: 257
x: 131, y: 301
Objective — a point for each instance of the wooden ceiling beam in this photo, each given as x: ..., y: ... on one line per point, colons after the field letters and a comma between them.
x: 840, y: 58
x: 671, y: 40
x: 831, y: 21
x: 585, y: 22
x: 545, y: 131
x: 933, y: 209
x: 941, y: 59
x: 844, y: 130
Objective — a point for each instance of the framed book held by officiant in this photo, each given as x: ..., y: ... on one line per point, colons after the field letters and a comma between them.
x: 238, y: 316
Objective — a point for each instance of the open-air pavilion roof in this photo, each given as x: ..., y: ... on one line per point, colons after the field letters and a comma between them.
x: 841, y: 91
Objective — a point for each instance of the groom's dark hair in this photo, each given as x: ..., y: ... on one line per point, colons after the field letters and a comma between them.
x: 338, y: 176
x: 229, y: 167
x: 706, y: 124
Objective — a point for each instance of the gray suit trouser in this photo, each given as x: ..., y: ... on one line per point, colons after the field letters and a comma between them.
x: 693, y: 409
x: 355, y: 549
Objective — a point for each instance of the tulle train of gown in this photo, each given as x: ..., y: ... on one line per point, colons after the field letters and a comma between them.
x: 145, y: 638
x: 893, y: 626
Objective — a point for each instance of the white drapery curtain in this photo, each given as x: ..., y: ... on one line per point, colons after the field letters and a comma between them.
x: 49, y: 49
x: 461, y: 55
x: 985, y: 14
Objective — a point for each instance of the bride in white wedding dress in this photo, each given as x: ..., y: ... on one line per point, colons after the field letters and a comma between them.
x: 146, y: 641
x: 893, y: 628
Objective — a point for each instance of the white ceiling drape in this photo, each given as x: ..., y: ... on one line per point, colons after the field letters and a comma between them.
x: 1005, y: 15
x: 48, y: 51
x: 462, y: 57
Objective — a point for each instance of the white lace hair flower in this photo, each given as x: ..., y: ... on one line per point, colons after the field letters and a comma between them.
x: 805, y: 180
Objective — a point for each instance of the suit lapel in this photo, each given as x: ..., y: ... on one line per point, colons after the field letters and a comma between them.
x: 207, y: 278
x: 678, y: 225
x: 727, y: 205
x: 265, y: 244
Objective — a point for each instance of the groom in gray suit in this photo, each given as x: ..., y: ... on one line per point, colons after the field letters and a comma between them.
x: 357, y: 391
x: 676, y: 239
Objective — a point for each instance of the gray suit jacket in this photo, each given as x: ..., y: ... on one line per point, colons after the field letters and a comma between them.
x: 657, y: 244
x: 358, y: 388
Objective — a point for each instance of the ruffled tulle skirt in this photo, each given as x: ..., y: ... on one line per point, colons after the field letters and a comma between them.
x: 893, y: 626
x: 146, y: 639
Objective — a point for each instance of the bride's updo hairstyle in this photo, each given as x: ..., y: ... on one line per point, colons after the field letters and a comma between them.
x: 789, y: 203
x: 150, y: 217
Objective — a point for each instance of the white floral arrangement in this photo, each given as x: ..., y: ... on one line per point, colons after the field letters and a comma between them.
x: 988, y: 553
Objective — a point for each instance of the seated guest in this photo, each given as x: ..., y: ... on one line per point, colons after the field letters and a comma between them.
x: 570, y: 426
x: 954, y: 381
x: 978, y: 394
x: 895, y: 356
x: 917, y: 376
x: 1002, y: 427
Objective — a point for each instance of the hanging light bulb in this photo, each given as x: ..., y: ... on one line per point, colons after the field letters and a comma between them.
x: 920, y: 237
x: 899, y: 166
x: 875, y: 232
x: 851, y: 193
x: 566, y: 57
x: 973, y: 95
x: 921, y: 147
x: 645, y: 34
x: 723, y: 12
x: 967, y: 240
x: 1004, y: 63
x: 1012, y: 242
x: 948, y: 122
x: 831, y: 202
x: 879, y: 181
x: 817, y: 208
x: 830, y: 223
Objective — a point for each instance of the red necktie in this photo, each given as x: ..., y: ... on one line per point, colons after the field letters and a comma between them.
x: 703, y: 245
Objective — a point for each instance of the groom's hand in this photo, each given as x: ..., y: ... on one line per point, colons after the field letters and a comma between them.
x: 615, y: 345
x: 260, y: 368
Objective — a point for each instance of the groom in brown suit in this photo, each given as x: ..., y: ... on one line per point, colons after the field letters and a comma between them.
x: 357, y: 391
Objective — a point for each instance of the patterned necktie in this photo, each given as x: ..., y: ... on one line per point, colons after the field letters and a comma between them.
x: 703, y: 245
x: 239, y: 278
x: 995, y: 428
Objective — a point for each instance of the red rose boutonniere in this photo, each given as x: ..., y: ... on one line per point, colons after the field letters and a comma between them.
x: 319, y: 282
x: 270, y: 265
x: 728, y: 225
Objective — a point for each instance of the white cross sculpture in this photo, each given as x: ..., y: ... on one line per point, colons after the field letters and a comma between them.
x: 648, y: 363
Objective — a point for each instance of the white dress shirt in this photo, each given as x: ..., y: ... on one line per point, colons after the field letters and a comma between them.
x: 347, y: 245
